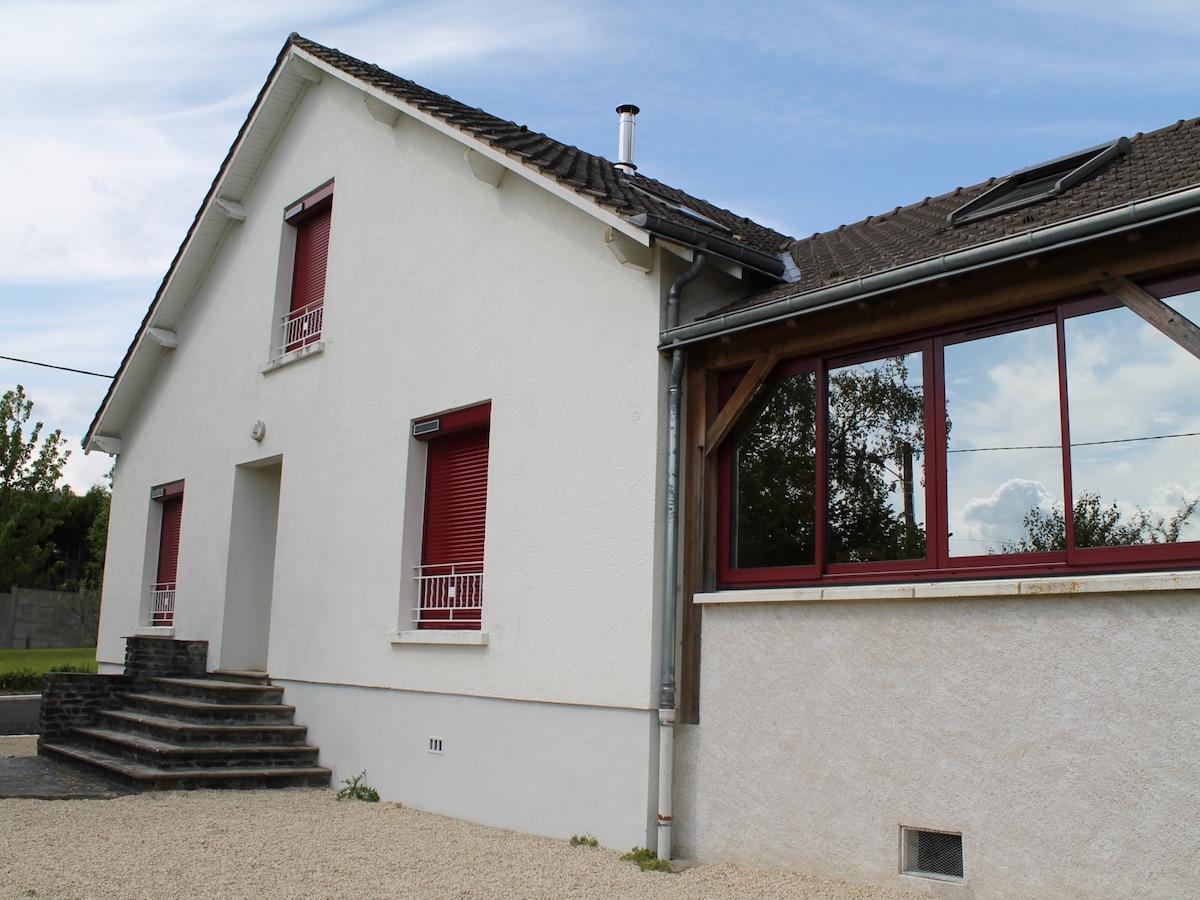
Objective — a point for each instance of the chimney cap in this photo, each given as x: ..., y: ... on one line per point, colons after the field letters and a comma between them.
x: 628, y: 108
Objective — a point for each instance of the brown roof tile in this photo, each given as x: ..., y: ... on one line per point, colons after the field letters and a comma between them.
x: 1158, y: 162
x: 590, y: 176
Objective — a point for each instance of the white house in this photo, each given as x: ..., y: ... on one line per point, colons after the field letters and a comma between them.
x: 393, y: 431
x: 465, y: 435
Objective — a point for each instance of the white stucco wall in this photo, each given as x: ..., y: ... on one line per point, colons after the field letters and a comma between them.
x: 442, y: 291
x: 1053, y: 723
x: 542, y: 768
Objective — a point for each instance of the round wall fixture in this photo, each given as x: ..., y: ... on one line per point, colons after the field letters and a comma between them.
x: 258, y: 430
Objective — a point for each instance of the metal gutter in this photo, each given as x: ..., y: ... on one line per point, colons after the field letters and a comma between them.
x: 1135, y: 214
x: 764, y: 263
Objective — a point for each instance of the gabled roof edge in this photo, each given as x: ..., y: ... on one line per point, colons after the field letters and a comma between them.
x: 206, y: 203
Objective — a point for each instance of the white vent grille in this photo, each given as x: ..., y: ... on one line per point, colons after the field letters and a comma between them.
x: 435, y: 745
x: 931, y: 854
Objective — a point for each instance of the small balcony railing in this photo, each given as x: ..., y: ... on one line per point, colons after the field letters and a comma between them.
x: 162, y: 604
x: 302, y: 326
x: 449, y: 595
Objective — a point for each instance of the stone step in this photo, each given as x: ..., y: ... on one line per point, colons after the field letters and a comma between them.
x: 213, y: 690
x: 148, y: 778
x: 245, y: 676
x: 188, y: 709
x: 169, y: 756
x: 174, y: 730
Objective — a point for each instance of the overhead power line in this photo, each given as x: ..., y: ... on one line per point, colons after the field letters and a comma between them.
x: 1135, y: 440
x: 30, y: 362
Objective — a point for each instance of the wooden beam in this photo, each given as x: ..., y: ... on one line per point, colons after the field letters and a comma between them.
x: 737, y: 404
x: 687, y: 698
x: 1176, y: 326
x: 1064, y: 276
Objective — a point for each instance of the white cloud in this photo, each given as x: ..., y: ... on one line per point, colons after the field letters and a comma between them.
x: 124, y: 116
x: 986, y: 522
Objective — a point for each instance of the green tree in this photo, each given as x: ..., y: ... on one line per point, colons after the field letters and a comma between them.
x: 30, y: 504
x: 1098, y: 525
x: 875, y: 441
x: 876, y: 435
x: 78, y: 538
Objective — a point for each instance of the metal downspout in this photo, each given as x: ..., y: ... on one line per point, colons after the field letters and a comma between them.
x: 666, y: 696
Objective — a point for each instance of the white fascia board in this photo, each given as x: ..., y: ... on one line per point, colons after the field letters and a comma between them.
x: 254, y: 144
x: 487, y: 151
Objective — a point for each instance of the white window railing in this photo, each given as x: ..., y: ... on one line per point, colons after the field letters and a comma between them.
x: 302, y: 326
x: 449, y: 595
x: 162, y: 604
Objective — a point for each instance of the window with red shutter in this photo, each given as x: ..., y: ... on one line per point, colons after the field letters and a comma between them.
x: 311, y: 217
x: 162, y: 592
x: 451, y: 573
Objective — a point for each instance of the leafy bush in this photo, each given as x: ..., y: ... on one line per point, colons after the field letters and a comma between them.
x: 68, y: 667
x: 29, y: 680
x: 356, y: 788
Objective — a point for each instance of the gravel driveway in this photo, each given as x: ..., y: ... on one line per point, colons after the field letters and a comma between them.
x: 303, y: 843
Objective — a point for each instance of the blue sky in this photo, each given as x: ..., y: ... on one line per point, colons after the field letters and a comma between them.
x: 802, y: 115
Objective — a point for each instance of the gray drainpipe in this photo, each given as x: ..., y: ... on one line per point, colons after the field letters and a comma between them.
x: 666, y: 696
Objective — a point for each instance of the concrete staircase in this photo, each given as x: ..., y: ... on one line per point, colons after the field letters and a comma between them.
x: 224, y: 730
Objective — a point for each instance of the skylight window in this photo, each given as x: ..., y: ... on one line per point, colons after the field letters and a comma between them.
x: 1040, y: 182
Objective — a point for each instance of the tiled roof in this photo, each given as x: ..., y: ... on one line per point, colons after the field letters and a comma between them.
x: 590, y: 176
x: 1157, y: 163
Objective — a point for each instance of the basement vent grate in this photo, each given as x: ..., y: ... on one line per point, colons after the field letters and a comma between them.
x: 931, y: 854
x: 435, y: 745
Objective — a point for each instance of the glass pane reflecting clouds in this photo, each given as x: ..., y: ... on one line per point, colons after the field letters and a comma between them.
x: 1135, y: 416
x: 1004, y: 455
x: 876, y: 460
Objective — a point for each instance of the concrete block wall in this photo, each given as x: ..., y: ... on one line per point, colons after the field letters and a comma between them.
x: 32, y: 619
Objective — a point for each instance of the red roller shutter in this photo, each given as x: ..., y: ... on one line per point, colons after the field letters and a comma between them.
x: 312, y: 255
x: 168, y: 543
x: 455, y: 512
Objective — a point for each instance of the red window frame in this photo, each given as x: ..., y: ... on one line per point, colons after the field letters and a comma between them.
x: 938, y: 564
x: 450, y: 586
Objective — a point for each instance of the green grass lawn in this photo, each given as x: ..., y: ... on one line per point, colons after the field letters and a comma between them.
x: 45, y: 660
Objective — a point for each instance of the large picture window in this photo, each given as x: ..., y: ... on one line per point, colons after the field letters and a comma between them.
x: 1064, y: 439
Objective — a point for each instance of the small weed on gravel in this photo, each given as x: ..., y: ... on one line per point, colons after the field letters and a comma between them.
x: 584, y: 840
x: 356, y: 788
x: 647, y: 860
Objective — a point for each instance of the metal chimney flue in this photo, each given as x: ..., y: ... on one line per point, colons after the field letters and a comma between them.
x: 627, y: 112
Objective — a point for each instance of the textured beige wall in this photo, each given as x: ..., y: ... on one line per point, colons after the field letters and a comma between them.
x: 1055, y: 724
